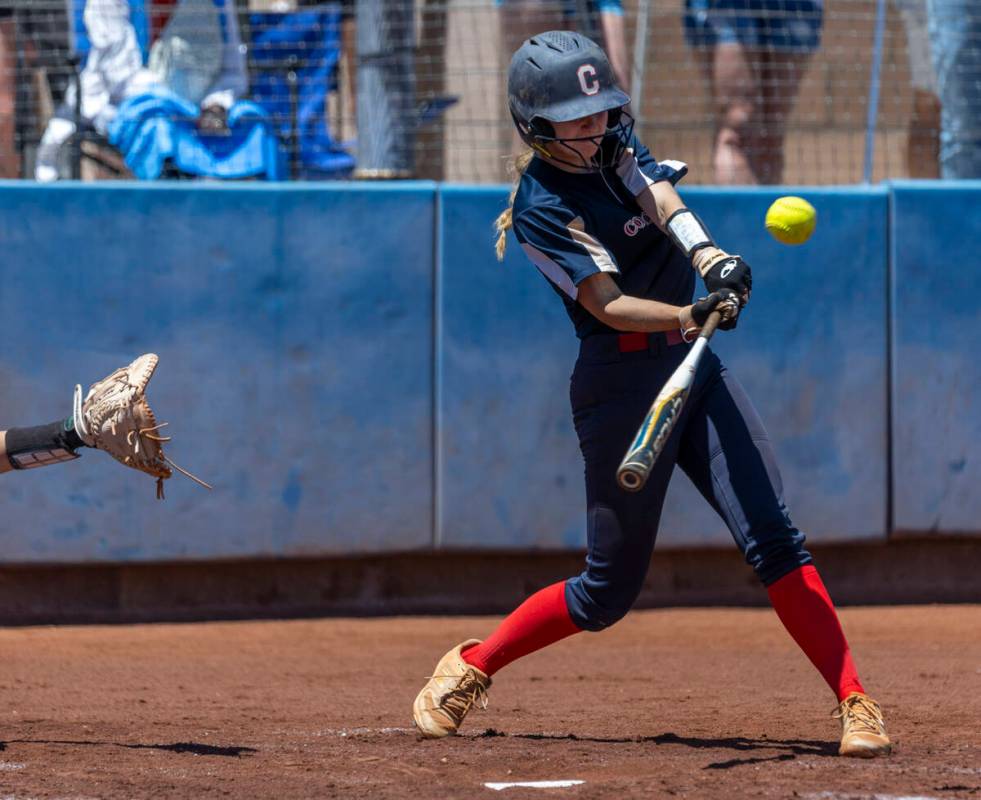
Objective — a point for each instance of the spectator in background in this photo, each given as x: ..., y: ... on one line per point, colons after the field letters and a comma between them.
x: 113, y: 71
x: 955, y: 36
x: 923, y: 134
x: 9, y: 158
x: 33, y: 35
x: 196, y: 71
x: 753, y: 53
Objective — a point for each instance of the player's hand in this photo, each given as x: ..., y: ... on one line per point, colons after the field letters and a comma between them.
x: 723, y: 271
x: 693, y: 317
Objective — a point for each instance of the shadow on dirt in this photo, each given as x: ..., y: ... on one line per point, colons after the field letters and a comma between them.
x: 795, y: 747
x: 195, y: 748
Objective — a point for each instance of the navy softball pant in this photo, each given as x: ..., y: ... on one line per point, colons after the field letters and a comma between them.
x: 719, y: 442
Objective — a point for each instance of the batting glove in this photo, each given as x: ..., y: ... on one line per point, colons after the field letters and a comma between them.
x: 724, y: 271
x: 693, y: 317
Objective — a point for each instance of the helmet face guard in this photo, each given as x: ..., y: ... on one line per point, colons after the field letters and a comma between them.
x: 561, y: 76
x: 609, y: 145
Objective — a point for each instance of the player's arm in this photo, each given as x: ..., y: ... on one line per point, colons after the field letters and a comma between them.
x: 720, y: 270
x: 557, y: 241
x: 652, y: 185
x: 5, y: 465
x: 602, y: 298
x: 38, y: 446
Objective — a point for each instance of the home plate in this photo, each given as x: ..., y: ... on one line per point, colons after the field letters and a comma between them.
x: 533, y: 785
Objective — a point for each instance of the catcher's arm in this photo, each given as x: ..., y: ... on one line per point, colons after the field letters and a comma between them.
x: 5, y: 465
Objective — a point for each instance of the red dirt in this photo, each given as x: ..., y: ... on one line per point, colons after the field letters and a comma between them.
x: 695, y: 703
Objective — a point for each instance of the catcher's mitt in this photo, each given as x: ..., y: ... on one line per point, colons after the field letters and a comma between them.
x: 116, y: 417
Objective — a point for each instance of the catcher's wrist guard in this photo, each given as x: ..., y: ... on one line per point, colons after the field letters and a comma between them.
x: 27, y: 448
x: 116, y: 417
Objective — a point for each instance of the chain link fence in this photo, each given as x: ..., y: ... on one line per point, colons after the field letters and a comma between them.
x: 765, y: 91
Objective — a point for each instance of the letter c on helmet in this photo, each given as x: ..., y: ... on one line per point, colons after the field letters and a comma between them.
x: 587, y: 79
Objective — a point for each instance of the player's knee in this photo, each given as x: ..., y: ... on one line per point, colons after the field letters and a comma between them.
x: 597, y: 604
x: 778, y: 555
x: 740, y: 128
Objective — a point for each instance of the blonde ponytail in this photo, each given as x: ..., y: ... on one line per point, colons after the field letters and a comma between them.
x: 503, y: 222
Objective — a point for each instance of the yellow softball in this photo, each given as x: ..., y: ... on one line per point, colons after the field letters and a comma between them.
x: 791, y: 220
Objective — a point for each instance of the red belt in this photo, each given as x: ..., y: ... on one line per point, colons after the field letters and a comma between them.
x: 635, y: 342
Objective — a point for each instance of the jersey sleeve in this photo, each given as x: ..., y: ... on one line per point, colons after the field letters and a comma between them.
x: 639, y: 169
x: 556, y: 241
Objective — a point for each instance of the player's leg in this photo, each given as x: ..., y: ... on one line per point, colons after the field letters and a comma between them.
x: 621, y: 527
x: 39, y: 446
x: 608, y: 399
x: 726, y: 452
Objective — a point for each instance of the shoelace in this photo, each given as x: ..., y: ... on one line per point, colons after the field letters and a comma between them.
x: 457, y: 702
x: 861, y: 713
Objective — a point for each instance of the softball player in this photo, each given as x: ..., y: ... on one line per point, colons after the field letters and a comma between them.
x: 600, y: 218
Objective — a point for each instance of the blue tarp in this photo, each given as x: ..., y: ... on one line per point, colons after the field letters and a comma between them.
x: 157, y: 126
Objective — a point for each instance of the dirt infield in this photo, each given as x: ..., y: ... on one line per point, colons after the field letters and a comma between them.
x: 683, y: 703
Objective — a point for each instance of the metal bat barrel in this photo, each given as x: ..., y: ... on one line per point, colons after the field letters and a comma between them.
x: 636, y: 466
x: 633, y: 475
x: 654, y: 431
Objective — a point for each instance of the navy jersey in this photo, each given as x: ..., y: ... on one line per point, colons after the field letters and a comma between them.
x: 573, y: 225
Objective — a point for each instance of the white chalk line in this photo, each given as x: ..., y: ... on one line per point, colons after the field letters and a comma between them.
x: 54, y: 797
x: 497, y: 787
x: 851, y: 796
x: 345, y: 732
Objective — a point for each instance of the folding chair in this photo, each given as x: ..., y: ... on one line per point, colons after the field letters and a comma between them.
x: 293, y: 58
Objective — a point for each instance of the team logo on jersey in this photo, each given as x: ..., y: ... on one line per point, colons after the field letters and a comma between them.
x: 635, y: 225
x: 588, y: 81
x: 729, y: 267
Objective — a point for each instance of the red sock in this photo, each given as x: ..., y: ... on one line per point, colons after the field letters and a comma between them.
x: 806, y: 611
x: 538, y: 622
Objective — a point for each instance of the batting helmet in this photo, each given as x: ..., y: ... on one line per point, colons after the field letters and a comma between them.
x: 560, y: 76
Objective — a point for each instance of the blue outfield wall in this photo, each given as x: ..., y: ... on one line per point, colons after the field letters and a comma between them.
x: 354, y: 371
x: 936, y: 325
x: 294, y: 326
x: 811, y: 351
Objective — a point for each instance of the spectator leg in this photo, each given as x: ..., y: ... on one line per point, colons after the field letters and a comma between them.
x: 346, y: 128
x: 9, y: 156
x: 923, y: 139
x: 781, y: 75
x: 734, y: 78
